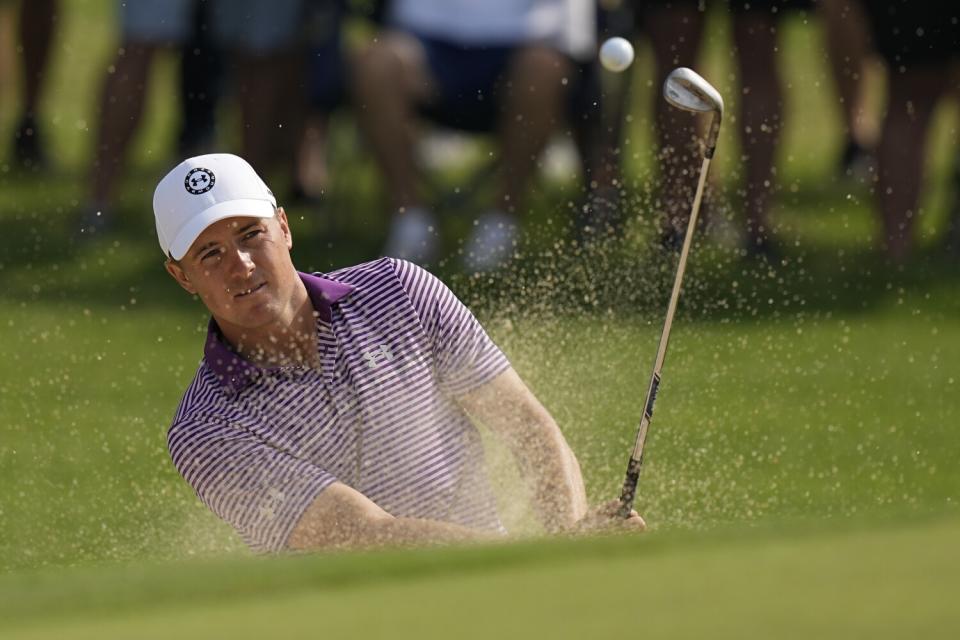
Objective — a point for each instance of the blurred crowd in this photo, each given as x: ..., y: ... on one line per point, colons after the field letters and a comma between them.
x: 519, y: 71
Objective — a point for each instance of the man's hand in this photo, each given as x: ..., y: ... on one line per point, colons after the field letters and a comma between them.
x: 606, y: 518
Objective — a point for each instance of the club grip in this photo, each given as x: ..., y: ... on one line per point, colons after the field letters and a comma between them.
x: 629, y: 491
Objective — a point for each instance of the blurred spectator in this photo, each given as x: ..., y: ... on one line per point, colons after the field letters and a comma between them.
x: 146, y: 29
x: 266, y: 47
x: 601, y: 115
x: 201, y: 85
x: 852, y: 64
x: 258, y: 43
x: 36, y: 26
x: 952, y: 236
x: 919, y: 42
x: 502, y: 64
x: 326, y: 90
x: 675, y: 29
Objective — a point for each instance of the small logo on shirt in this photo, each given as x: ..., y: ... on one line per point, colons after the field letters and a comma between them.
x: 199, y: 180
x: 378, y: 356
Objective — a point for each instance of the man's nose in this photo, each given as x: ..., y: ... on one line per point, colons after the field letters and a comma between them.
x: 241, y: 262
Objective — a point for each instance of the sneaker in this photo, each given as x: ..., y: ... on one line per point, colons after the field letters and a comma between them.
x: 491, y: 243
x: 27, y: 150
x: 413, y: 236
x: 857, y: 163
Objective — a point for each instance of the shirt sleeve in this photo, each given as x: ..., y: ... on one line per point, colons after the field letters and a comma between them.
x: 464, y: 355
x: 260, y: 490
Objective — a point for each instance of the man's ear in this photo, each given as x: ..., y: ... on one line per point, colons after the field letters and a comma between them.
x: 285, y: 226
x: 178, y: 274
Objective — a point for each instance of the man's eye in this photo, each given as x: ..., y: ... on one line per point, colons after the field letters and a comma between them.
x: 210, y: 254
x: 252, y: 234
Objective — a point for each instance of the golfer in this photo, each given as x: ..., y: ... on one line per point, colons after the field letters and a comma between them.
x: 339, y: 410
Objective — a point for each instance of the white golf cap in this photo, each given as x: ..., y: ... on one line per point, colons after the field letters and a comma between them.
x: 202, y: 190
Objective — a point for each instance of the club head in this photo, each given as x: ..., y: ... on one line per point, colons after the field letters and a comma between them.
x: 685, y: 89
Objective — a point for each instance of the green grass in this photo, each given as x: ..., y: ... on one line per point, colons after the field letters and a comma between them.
x: 802, y: 583
x: 801, y: 474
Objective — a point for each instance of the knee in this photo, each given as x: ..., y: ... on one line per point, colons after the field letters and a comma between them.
x: 394, y: 58
x: 376, y: 63
x: 539, y: 65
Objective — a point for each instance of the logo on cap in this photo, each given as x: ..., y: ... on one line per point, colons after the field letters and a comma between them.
x: 199, y: 181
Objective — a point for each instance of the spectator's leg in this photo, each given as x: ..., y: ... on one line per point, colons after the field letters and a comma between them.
x: 201, y: 76
x: 674, y: 34
x: 952, y: 237
x: 313, y: 175
x: 7, y: 54
x: 121, y: 107
x: 912, y: 96
x: 37, y: 19
x: 390, y: 79
x: 326, y: 87
x: 598, y: 111
x: 848, y: 46
x: 761, y: 109
x: 271, y: 107
x: 534, y: 105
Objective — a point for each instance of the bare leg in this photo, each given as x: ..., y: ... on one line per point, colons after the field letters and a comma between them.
x: 121, y: 107
x: 675, y: 36
x: 271, y: 109
x: 390, y: 80
x: 761, y: 108
x: 37, y: 19
x: 902, y: 151
x: 952, y: 240
x: 534, y: 104
x: 7, y: 53
x: 312, y: 171
x: 848, y: 45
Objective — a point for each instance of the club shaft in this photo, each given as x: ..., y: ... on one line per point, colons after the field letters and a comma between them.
x: 628, y: 494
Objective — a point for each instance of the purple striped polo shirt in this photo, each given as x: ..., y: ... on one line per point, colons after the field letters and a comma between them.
x: 396, y: 347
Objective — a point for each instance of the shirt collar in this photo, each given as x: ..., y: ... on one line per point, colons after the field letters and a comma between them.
x: 234, y: 371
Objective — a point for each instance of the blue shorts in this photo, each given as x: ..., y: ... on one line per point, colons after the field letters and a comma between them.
x: 166, y: 23
x: 260, y: 27
x: 468, y: 79
x: 326, y: 67
x: 255, y: 26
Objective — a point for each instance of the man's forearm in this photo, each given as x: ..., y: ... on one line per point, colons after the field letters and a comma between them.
x: 553, y: 472
x: 389, y: 532
x: 416, y: 532
x: 341, y: 518
x: 508, y: 408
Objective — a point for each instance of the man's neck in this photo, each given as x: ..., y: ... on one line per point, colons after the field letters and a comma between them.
x: 290, y: 341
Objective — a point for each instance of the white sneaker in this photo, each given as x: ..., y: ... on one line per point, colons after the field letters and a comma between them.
x: 491, y: 242
x: 413, y: 236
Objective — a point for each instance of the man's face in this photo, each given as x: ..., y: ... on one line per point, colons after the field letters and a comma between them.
x: 241, y: 269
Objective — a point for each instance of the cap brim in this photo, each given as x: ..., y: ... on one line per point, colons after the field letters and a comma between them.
x: 220, y: 211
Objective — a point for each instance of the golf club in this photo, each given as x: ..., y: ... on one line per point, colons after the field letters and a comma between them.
x: 686, y: 90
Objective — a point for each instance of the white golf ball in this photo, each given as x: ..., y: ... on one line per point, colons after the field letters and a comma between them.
x: 616, y: 54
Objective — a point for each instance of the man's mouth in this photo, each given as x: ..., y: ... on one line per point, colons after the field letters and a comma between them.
x: 254, y: 289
